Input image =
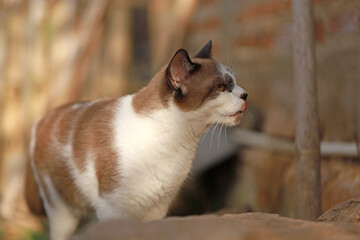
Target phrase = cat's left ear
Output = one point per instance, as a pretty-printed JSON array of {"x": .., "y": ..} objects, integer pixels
[
  {"x": 205, "y": 51},
  {"x": 179, "y": 69}
]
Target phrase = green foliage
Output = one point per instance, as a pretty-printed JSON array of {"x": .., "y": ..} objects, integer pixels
[
  {"x": 37, "y": 235},
  {"x": 2, "y": 235}
]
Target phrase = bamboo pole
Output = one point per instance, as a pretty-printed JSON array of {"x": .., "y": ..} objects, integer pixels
[
  {"x": 250, "y": 138},
  {"x": 168, "y": 27},
  {"x": 357, "y": 116},
  {"x": 3, "y": 54},
  {"x": 2, "y": 48},
  {"x": 89, "y": 23},
  {"x": 307, "y": 146}
]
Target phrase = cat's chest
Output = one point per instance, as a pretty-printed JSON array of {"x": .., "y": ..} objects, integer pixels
[{"x": 153, "y": 148}]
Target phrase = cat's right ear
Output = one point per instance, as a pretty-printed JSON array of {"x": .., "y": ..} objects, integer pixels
[
  {"x": 205, "y": 51},
  {"x": 179, "y": 69}
]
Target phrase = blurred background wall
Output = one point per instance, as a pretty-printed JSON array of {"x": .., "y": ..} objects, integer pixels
[{"x": 53, "y": 52}]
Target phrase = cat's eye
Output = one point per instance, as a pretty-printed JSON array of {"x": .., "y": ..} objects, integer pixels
[{"x": 220, "y": 87}]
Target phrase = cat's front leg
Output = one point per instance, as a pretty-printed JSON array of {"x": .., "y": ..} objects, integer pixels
[
  {"x": 62, "y": 222},
  {"x": 140, "y": 212},
  {"x": 110, "y": 212},
  {"x": 156, "y": 212}
]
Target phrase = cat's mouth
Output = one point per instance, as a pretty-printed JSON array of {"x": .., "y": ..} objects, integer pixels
[
  {"x": 235, "y": 115},
  {"x": 238, "y": 113}
]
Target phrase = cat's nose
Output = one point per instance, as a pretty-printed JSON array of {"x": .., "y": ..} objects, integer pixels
[{"x": 244, "y": 96}]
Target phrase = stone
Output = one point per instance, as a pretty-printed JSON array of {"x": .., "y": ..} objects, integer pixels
[
  {"x": 266, "y": 182},
  {"x": 340, "y": 181},
  {"x": 249, "y": 226},
  {"x": 345, "y": 212}
]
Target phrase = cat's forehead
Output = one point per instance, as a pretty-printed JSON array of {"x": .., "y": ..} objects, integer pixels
[
  {"x": 213, "y": 69},
  {"x": 225, "y": 71},
  {"x": 209, "y": 66}
]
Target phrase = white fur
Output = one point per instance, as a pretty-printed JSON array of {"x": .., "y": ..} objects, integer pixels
[
  {"x": 149, "y": 181},
  {"x": 63, "y": 221}
]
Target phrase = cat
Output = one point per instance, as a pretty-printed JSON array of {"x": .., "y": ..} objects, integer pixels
[{"x": 127, "y": 158}]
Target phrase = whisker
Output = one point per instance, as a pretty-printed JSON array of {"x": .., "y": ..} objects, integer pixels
[
  {"x": 222, "y": 125},
  {"x": 213, "y": 131},
  {"x": 225, "y": 135},
  {"x": 231, "y": 58},
  {"x": 212, "y": 134},
  {"x": 227, "y": 62},
  {"x": 207, "y": 131},
  {"x": 233, "y": 67}
]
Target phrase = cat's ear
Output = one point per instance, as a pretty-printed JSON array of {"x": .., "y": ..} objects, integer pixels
[
  {"x": 205, "y": 51},
  {"x": 179, "y": 69}
]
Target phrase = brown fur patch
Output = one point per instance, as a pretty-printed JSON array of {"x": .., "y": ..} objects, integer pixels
[
  {"x": 50, "y": 160},
  {"x": 32, "y": 195},
  {"x": 65, "y": 185},
  {"x": 94, "y": 134},
  {"x": 200, "y": 85},
  {"x": 41, "y": 157},
  {"x": 90, "y": 128},
  {"x": 154, "y": 96}
]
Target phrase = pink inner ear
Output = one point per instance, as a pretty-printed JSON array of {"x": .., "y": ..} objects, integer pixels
[
  {"x": 179, "y": 70},
  {"x": 180, "y": 67},
  {"x": 176, "y": 81},
  {"x": 178, "y": 75}
]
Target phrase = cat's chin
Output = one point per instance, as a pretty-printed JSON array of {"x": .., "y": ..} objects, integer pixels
[
  {"x": 237, "y": 120},
  {"x": 233, "y": 119}
]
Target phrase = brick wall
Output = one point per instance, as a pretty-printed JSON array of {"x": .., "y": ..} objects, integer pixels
[{"x": 254, "y": 37}]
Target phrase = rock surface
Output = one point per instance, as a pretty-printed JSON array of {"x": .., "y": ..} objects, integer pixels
[
  {"x": 266, "y": 182},
  {"x": 345, "y": 212},
  {"x": 249, "y": 226}
]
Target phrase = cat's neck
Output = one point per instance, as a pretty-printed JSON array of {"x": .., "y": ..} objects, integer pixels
[
  {"x": 155, "y": 101},
  {"x": 187, "y": 124},
  {"x": 154, "y": 96},
  {"x": 177, "y": 124}
]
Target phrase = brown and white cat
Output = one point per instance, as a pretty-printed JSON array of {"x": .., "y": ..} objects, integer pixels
[{"x": 126, "y": 158}]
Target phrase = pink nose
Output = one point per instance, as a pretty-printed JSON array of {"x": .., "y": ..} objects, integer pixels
[{"x": 244, "y": 106}]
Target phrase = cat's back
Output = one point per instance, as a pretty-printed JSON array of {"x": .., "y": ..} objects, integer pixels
[
  {"x": 62, "y": 127},
  {"x": 73, "y": 151}
]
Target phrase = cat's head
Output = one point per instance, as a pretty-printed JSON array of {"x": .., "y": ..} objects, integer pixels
[{"x": 204, "y": 88}]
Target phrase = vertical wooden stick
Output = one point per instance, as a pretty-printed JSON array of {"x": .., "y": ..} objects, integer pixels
[
  {"x": 168, "y": 27},
  {"x": 307, "y": 134},
  {"x": 357, "y": 124}
]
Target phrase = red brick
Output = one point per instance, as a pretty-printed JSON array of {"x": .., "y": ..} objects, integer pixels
[
  {"x": 319, "y": 32},
  {"x": 263, "y": 40},
  {"x": 265, "y": 8},
  {"x": 209, "y": 24},
  {"x": 204, "y": 2},
  {"x": 347, "y": 22}
]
